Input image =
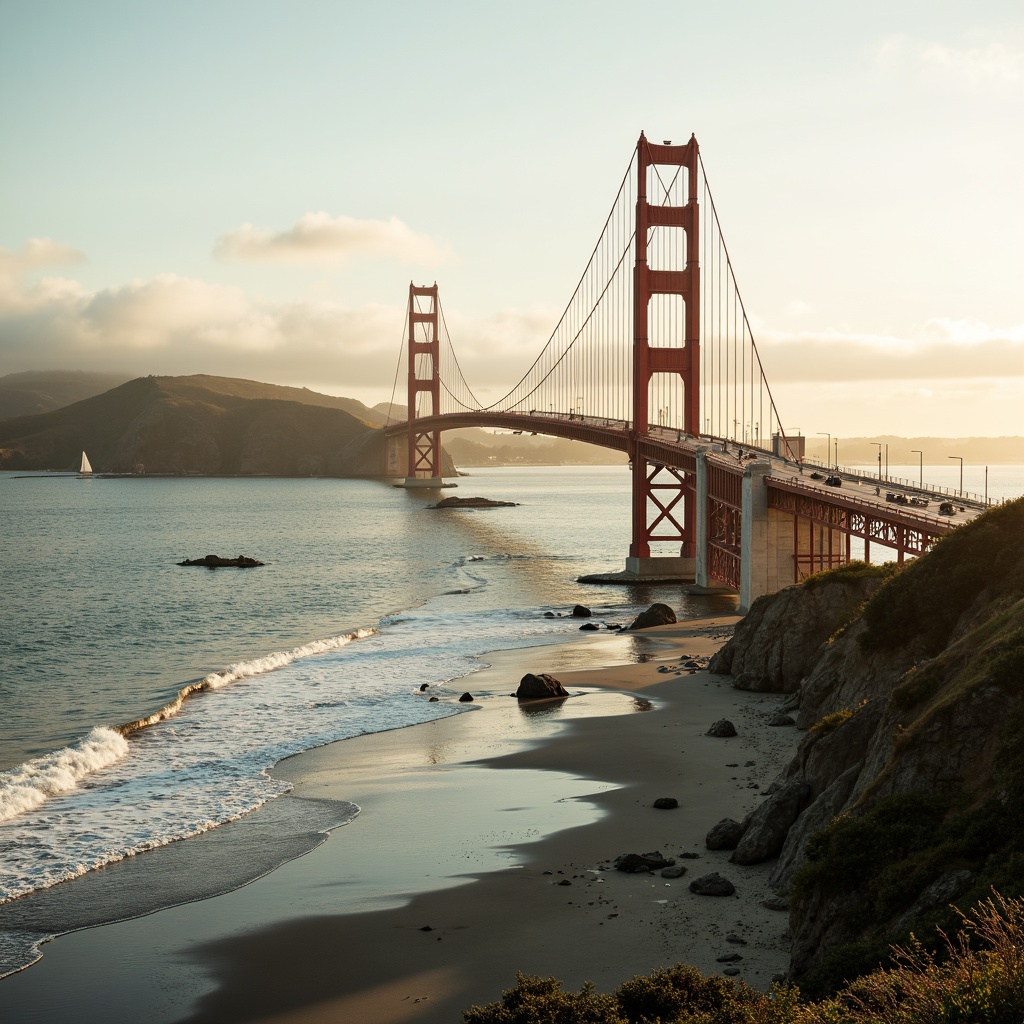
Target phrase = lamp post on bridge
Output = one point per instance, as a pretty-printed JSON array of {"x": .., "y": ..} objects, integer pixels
[
  {"x": 920, "y": 468},
  {"x": 879, "y": 446},
  {"x": 960, "y": 492},
  {"x": 828, "y": 444}
]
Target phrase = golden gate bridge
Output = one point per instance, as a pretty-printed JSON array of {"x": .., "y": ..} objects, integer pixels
[{"x": 654, "y": 356}]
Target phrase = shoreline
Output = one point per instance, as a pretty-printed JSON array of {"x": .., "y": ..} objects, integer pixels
[{"x": 337, "y": 933}]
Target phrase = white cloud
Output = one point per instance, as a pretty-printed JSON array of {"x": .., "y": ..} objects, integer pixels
[
  {"x": 940, "y": 349},
  {"x": 992, "y": 66},
  {"x": 318, "y": 239}
]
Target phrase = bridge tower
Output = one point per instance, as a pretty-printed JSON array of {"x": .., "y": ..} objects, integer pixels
[
  {"x": 424, "y": 458},
  {"x": 664, "y": 499}
]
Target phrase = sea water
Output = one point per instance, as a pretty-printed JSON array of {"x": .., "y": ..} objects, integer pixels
[{"x": 142, "y": 702}]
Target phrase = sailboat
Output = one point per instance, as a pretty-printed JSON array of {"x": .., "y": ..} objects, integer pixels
[{"x": 86, "y": 468}]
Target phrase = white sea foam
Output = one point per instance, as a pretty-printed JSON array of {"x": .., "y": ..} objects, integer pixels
[
  {"x": 30, "y": 784},
  {"x": 279, "y": 659}
]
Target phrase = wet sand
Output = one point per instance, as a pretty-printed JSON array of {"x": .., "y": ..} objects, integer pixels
[{"x": 452, "y": 877}]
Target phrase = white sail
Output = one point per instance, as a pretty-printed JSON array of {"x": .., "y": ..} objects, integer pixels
[{"x": 86, "y": 468}]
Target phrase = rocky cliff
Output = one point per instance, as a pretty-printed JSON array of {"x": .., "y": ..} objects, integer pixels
[{"x": 907, "y": 791}]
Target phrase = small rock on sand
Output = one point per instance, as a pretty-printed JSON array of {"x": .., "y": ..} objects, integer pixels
[
  {"x": 666, "y": 803},
  {"x": 723, "y": 727}
]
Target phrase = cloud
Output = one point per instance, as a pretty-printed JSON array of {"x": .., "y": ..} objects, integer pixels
[
  {"x": 318, "y": 239},
  {"x": 992, "y": 66},
  {"x": 941, "y": 349}
]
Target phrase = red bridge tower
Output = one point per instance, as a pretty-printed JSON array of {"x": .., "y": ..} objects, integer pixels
[{"x": 664, "y": 506}]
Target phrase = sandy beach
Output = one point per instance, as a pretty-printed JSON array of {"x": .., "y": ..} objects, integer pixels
[{"x": 485, "y": 846}]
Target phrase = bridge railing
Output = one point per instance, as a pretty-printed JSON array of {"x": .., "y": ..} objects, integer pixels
[{"x": 968, "y": 497}]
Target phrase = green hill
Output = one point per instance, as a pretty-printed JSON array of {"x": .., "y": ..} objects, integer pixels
[{"x": 198, "y": 424}]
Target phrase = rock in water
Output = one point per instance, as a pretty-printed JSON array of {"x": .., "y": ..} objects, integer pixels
[
  {"x": 580, "y": 611},
  {"x": 466, "y": 698},
  {"x": 656, "y": 615},
  {"x": 454, "y": 502},
  {"x": 538, "y": 687},
  {"x": 216, "y": 562},
  {"x": 712, "y": 885}
]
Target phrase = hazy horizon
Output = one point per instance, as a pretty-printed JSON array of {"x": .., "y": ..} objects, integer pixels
[{"x": 246, "y": 190}]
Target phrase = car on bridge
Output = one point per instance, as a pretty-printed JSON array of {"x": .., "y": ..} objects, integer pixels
[{"x": 834, "y": 480}]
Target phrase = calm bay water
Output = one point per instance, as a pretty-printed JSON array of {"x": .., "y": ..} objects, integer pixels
[{"x": 366, "y": 595}]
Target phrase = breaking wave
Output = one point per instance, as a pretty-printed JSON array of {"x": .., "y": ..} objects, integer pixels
[{"x": 30, "y": 784}]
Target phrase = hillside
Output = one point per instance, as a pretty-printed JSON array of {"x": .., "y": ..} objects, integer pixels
[
  {"x": 907, "y": 792},
  {"x": 36, "y": 391},
  {"x": 199, "y": 424}
]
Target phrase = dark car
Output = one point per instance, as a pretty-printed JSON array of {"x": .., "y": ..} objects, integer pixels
[{"x": 833, "y": 481}]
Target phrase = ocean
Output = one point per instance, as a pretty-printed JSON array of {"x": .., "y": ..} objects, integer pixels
[{"x": 142, "y": 702}]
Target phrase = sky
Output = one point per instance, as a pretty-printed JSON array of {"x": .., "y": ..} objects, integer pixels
[{"x": 246, "y": 188}]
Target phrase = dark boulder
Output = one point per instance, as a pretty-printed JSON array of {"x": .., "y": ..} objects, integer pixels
[
  {"x": 466, "y": 698},
  {"x": 725, "y": 835},
  {"x": 634, "y": 863},
  {"x": 723, "y": 727},
  {"x": 767, "y": 827},
  {"x": 590, "y": 626},
  {"x": 657, "y": 615},
  {"x": 676, "y": 871},
  {"x": 666, "y": 803},
  {"x": 539, "y": 687},
  {"x": 712, "y": 885},
  {"x": 580, "y": 611}
]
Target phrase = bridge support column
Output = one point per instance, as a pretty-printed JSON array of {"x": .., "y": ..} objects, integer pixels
[
  {"x": 704, "y": 582},
  {"x": 754, "y": 535}
]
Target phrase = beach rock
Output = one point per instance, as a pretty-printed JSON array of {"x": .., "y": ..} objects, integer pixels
[
  {"x": 666, "y": 803},
  {"x": 216, "y": 562},
  {"x": 634, "y": 863},
  {"x": 768, "y": 825},
  {"x": 549, "y": 615},
  {"x": 780, "y": 719},
  {"x": 466, "y": 698},
  {"x": 590, "y": 625},
  {"x": 723, "y": 727},
  {"x": 657, "y": 615},
  {"x": 731, "y": 972},
  {"x": 424, "y": 686},
  {"x": 434, "y": 700},
  {"x": 736, "y": 940},
  {"x": 564, "y": 881},
  {"x": 725, "y": 835},
  {"x": 676, "y": 871},
  {"x": 775, "y": 903},
  {"x": 580, "y": 611},
  {"x": 540, "y": 687},
  {"x": 689, "y": 855},
  {"x": 728, "y": 958},
  {"x": 713, "y": 884}
]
